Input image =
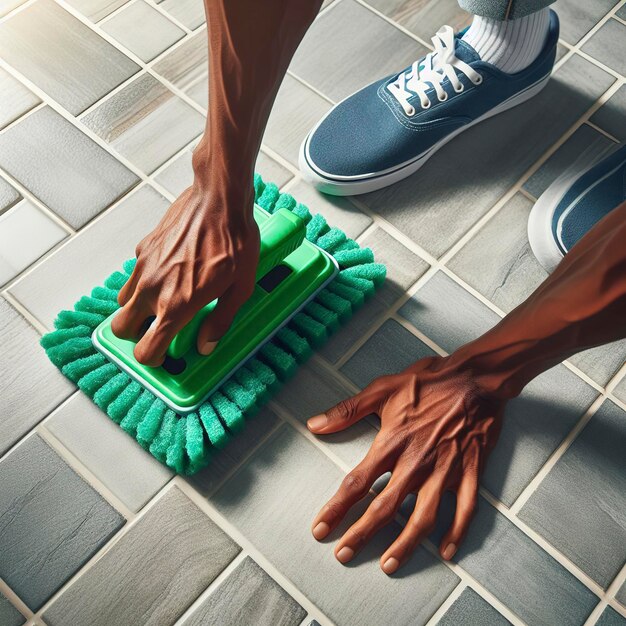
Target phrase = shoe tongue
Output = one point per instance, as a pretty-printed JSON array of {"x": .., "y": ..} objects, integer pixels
[{"x": 465, "y": 52}]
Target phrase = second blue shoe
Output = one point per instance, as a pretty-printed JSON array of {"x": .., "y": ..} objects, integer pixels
[{"x": 388, "y": 130}]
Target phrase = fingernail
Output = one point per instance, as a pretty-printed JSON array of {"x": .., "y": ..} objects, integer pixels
[
  {"x": 208, "y": 347},
  {"x": 345, "y": 554},
  {"x": 391, "y": 565},
  {"x": 317, "y": 422},
  {"x": 321, "y": 530},
  {"x": 450, "y": 551}
]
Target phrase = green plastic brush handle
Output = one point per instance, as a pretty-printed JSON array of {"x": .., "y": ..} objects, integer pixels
[{"x": 281, "y": 234}]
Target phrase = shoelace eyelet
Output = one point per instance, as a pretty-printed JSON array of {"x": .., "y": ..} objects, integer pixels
[
  {"x": 460, "y": 89},
  {"x": 426, "y": 106},
  {"x": 410, "y": 112},
  {"x": 478, "y": 80},
  {"x": 443, "y": 99}
]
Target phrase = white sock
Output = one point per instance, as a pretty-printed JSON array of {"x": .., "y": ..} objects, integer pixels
[{"x": 510, "y": 45}]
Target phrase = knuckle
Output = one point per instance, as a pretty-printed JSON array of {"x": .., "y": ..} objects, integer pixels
[
  {"x": 358, "y": 536},
  {"x": 383, "y": 508},
  {"x": 342, "y": 411},
  {"x": 355, "y": 482}
]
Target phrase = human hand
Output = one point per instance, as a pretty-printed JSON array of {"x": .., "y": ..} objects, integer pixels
[
  {"x": 437, "y": 428},
  {"x": 206, "y": 246}
]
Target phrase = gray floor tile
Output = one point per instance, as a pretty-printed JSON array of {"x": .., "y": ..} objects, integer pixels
[
  {"x": 199, "y": 93},
  {"x": 58, "y": 53},
  {"x": 187, "y": 63},
  {"x": 436, "y": 205},
  {"x": 314, "y": 390},
  {"x": 498, "y": 261},
  {"x": 610, "y": 116},
  {"x": 338, "y": 211},
  {"x": 516, "y": 570},
  {"x": 248, "y": 596},
  {"x": 447, "y": 313},
  {"x": 16, "y": 99},
  {"x": 187, "y": 12},
  {"x": 52, "y": 521},
  {"x": 9, "y": 5},
  {"x": 608, "y": 45},
  {"x": 584, "y": 146},
  {"x": 257, "y": 428},
  {"x": 9, "y": 615},
  {"x": 424, "y": 18},
  {"x": 621, "y": 12},
  {"x": 610, "y": 617},
  {"x": 143, "y": 30},
  {"x": 578, "y": 17},
  {"x": 154, "y": 572},
  {"x": 388, "y": 351},
  {"x": 368, "y": 46},
  {"x": 580, "y": 507},
  {"x": 178, "y": 175},
  {"x": 32, "y": 386},
  {"x": 146, "y": 123},
  {"x": 271, "y": 171},
  {"x": 279, "y": 520},
  {"x": 8, "y": 195},
  {"x": 60, "y": 165},
  {"x": 96, "y": 10},
  {"x": 132, "y": 474},
  {"x": 296, "y": 110},
  {"x": 601, "y": 363},
  {"x": 89, "y": 258},
  {"x": 620, "y": 390},
  {"x": 403, "y": 266},
  {"x": 26, "y": 233},
  {"x": 469, "y": 609},
  {"x": 620, "y": 596}
]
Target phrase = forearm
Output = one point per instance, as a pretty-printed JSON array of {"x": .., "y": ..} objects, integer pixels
[
  {"x": 581, "y": 305},
  {"x": 250, "y": 46}
]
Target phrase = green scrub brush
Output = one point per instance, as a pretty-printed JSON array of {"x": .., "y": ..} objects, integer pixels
[{"x": 185, "y": 438}]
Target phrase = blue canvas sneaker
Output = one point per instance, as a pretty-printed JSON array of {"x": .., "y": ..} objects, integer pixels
[
  {"x": 574, "y": 203},
  {"x": 389, "y": 129}
]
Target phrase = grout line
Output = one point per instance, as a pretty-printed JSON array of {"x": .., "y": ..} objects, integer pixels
[
  {"x": 171, "y": 18},
  {"x": 609, "y": 600},
  {"x": 602, "y": 131},
  {"x": 113, "y": 13},
  {"x": 310, "y": 86},
  {"x": 16, "y": 10},
  {"x": 447, "y": 603},
  {"x": 15, "y": 600},
  {"x": 23, "y": 311}
]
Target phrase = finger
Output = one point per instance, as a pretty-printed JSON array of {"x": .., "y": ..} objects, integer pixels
[
  {"x": 152, "y": 347},
  {"x": 348, "y": 411},
  {"x": 220, "y": 319},
  {"x": 420, "y": 524},
  {"x": 354, "y": 487},
  {"x": 466, "y": 501},
  {"x": 380, "y": 512},
  {"x": 130, "y": 319},
  {"x": 129, "y": 288}
]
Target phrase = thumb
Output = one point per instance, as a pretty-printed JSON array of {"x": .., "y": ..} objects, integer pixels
[{"x": 347, "y": 412}]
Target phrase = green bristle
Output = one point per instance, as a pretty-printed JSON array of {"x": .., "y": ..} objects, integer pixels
[
  {"x": 253, "y": 384},
  {"x": 375, "y": 272},
  {"x": 214, "y": 428},
  {"x": 294, "y": 343},
  {"x": 149, "y": 425},
  {"x": 355, "y": 296},
  {"x": 102, "y": 293},
  {"x": 269, "y": 197},
  {"x": 314, "y": 332},
  {"x": 265, "y": 374},
  {"x": 283, "y": 364},
  {"x": 303, "y": 212},
  {"x": 285, "y": 201},
  {"x": 341, "y": 306},
  {"x": 228, "y": 411},
  {"x": 129, "y": 265},
  {"x": 88, "y": 304},
  {"x": 137, "y": 412},
  {"x": 194, "y": 440},
  {"x": 77, "y": 369},
  {"x": 68, "y": 319},
  {"x": 71, "y": 350},
  {"x": 59, "y": 337},
  {"x": 164, "y": 436},
  {"x": 259, "y": 186},
  {"x": 176, "y": 457},
  {"x": 316, "y": 228},
  {"x": 238, "y": 394},
  {"x": 91, "y": 382},
  {"x": 329, "y": 319},
  {"x": 332, "y": 240},
  {"x": 119, "y": 408},
  {"x": 348, "y": 244},
  {"x": 111, "y": 390},
  {"x": 366, "y": 286},
  {"x": 116, "y": 281},
  {"x": 356, "y": 256}
]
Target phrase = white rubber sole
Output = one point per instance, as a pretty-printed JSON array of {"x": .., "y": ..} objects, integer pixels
[
  {"x": 540, "y": 236},
  {"x": 354, "y": 185}
]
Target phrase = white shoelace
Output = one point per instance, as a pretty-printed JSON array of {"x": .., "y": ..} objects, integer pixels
[{"x": 436, "y": 67}]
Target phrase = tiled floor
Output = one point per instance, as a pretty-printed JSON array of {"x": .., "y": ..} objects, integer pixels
[{"x": 101, "y": 103}]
